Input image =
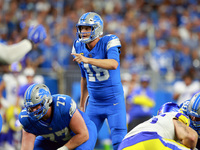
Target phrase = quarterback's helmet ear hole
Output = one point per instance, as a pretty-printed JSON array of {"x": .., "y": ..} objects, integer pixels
[
  {"x": 29, "y": 109},
  {"x": 92, "y": 36},
  {"x": 92, "y": 28}
]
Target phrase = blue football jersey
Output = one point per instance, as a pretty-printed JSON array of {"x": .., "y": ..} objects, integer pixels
[
  {"x": 103, "y": 85},
  {"x": 57, "y": 130}
]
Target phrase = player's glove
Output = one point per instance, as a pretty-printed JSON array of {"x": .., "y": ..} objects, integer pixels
[{"x": 37, "y": 34}]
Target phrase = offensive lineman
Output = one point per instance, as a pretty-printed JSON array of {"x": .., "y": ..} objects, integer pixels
[{"x": 52, "y": 121}]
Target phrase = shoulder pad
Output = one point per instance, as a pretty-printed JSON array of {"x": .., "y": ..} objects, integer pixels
[
  {"x": 112, "y": 41},
  {"x": 24, "y": 118},
  {"x": 110, "y": 36},
  {"x": 72, "y": 108},
  {"x": 183, "y": 118},
  {"x": 76, "y": 44},
  {"x": 184, "y": 105}
]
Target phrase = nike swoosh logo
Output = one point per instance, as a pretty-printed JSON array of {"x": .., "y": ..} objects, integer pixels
[{"x": 115, "y": 104}]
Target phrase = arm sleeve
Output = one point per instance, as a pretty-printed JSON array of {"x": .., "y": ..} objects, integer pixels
[
  {"x": 82, "y": 71},
  {"x": 74, "y": 51},
  {"x": 113, "y": 47},
  {"x": 74, "y": 48},
  {"x": 12, "y": 53},
  {"x": 69, "y": 109},
  {"x": 113, "y": 53}
]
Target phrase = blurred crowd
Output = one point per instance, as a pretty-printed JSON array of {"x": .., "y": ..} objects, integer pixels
[{"x": 160, "y": 36}]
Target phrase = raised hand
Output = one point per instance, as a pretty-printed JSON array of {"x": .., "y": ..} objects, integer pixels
[{"x": 37, "y": 34}]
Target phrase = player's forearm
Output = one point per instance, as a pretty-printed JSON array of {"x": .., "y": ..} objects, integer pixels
[
  {"x": 84, "y": 93},
  {"x": 2, "y": 87},
  {"x": 109, "y": 64},
  {"x": 12, "y": 53},
  {"x": 28, "y": 140},
  {"x": 176, "y": 96},
  {"x": 26, "y": 147},
  {"x": 76, "y": 141},
  {"x": 191, "y": 139},
  {"x": 189, "y": 143},
  {"x": 18, "y": 101},
  {"x": 185, "y": 134}
]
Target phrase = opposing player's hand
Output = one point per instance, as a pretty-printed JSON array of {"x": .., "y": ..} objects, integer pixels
[
  {"x": 37, "y": 34},
  {"x": 79, "y": 58}
]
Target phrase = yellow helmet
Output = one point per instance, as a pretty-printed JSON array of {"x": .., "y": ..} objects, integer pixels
[{"x": 12, "y": 114}]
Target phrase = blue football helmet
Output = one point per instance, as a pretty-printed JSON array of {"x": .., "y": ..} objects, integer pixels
[
  {"x": 193, "y": 108},
  {"x": 168, "y": 107},
  {"x": 94, "y": 21},
  {"x": 37, "y": 94}
]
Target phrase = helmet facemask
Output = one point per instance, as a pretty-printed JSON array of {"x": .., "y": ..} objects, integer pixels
[{"x": 90, "y": 35}]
